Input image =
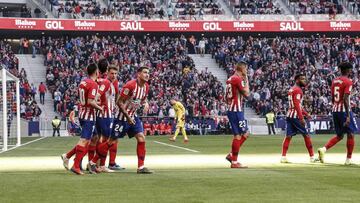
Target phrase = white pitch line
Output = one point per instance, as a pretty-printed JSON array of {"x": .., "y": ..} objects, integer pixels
[
  {"x": 24, "y": 144},
  {"x": 170, "y": 145}
]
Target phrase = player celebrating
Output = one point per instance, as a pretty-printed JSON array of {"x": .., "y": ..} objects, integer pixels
[
  {"x": 295, "y": 121},
  {"x": 132, "y": 97},
  {"x": 343, "y": 118},
  {"x": 180, "y": 120},
  {"x": 104, "y": 121},
  {"x": 87, "y": 94},
  {"x": 236, "y": 90}
]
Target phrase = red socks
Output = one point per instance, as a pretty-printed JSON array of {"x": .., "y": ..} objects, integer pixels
[
  {"x": 91, "y": 152},
  {"x": 141, "y": 151},
  {"x": 308, "y": 145},
  {"x": 350, "y": 146},
  {"x": 112, "y": 153},
  {"x": 101, "y": 153},
  {"x": 285, "y": 146},
  {"x": 235, "y": 147},
  {"x": 80, "y": 153},
  {"x": 332, "y": 142},
  {"x": 71, "y": 153}
]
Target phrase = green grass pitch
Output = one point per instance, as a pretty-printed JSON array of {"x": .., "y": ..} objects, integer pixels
[{"x": 191, "y": 173}]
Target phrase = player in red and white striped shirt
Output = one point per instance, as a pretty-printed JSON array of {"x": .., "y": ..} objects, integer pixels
[
  {"x": 237, "y": 90},
  {"x": 344, "y": 121},
  {"x": 88, "y": 106},
  {"x": 104, "y": 122},
  {"x": 295, "y": 122},
  {"x": 133, "y": 95}
]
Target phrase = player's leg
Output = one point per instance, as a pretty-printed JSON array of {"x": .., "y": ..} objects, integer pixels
[
  {"x": 339, "y": 121},
  {"x": 309, "y": 147},
  {"x": 290, "y": 131},
  {"x": 119, "y": 131},
  {"x": 82, "y": 146},
  {"x": 239, "y": 129},
  {"x": 173, "y": 138},
  {"x": 183, "y": 131},
  {"x": 138, "y": 132},
  {"x": 350, "y": 143},
  {"x": 307, "y": 139}
]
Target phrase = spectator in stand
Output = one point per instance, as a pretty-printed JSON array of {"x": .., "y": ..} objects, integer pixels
[{"x": 42, "y": 91}]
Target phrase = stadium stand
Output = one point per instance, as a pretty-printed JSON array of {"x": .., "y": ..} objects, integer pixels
[
  {"x": 273, "y": 61},
  {"x": 172, "y": 71},
  {"x": 28, "y": 106}
]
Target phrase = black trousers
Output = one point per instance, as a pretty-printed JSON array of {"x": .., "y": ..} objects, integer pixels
[
  {"x": 56, "y": 130},
  {"x": 271, "y": 127}
]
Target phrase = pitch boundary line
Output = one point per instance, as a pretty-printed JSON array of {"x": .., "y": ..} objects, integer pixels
[
  {"x": 41, "y": 138},
  {"x": 174, "y": 146}
]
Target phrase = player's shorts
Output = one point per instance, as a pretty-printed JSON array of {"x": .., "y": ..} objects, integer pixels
[
  {"x": 293, "y": 127},
  {"x": 180, "y": 121},
  {"x": 237, "y": 122},
  {"x": 339, "y": 121},
  {"x": 104, "y": 126},
  {"x": 87, "y": 129},
  {"x": 122, "y": 128}
]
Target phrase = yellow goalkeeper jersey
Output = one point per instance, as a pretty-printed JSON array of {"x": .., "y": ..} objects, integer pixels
[{"x": 179, "y": 109}]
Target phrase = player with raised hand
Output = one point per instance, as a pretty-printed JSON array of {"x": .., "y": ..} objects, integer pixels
[
  {"x": 104, "y": 121},
  {"x": 344, "y": 121},
  {"x": 237, "y": 90},
  {"x": 133, "y": 95},
  {"x": 180, "y": 120},
  {"x": 87, "y": 93},
  {"x": 295, "y": 121}
]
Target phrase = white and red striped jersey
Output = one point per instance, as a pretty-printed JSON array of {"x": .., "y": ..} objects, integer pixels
[
  {"x": 295, "y": 96},
  {"x": 234, "y": 99},
  {"x": 106, "y": 94},
  {"x": 134, "y": 96},
  {"x": 339, "y": 87},
  {"x": 87, "y": 90}
]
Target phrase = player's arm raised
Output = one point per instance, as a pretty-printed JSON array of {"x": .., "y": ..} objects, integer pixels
[{"x": 244, "y": 87}]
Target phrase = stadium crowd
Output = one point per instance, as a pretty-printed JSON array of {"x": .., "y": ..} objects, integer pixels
[
  {"x": 273, "y": 62},
  {"x": 331, "y": 7},
  {"x": 172, "y": 72},
  {"x": 28, "y": 106},
  {"x": 256, "y": 7}
]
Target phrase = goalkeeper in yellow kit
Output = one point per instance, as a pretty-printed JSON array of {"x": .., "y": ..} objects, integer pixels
[{"x": 180, "y": 120}]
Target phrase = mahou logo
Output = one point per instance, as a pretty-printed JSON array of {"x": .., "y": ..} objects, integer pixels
[
  {"x": 84, "y": 25},
  {"x": 25, "y": 23},
  {"x": 179, "y": 25},
  {"x": 243, "y": 26},
  {"x": 340, "y": 25}
]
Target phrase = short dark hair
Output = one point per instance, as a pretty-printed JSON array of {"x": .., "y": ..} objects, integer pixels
[
  {"x": 142, "y": 68},
  {"x": 297, "y": 76},
  {"x": 103, "y": 65},
  {"x": 343, "y": 66},
  {"x": 91, "y": 69}
]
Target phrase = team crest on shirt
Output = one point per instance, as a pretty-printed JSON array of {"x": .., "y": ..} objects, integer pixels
[{"x": 126, "y": 91}]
